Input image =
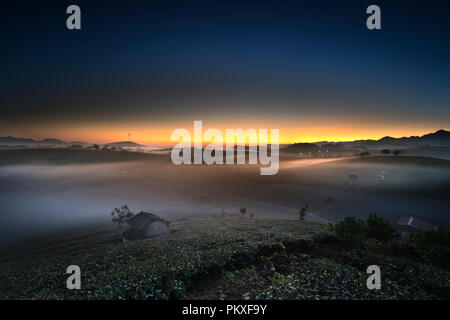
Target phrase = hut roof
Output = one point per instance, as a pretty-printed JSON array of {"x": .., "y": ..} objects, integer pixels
[
  {"x": 415, "y": 223},
  {"x": 143, "y": 219},
  {"x": 139, "y": 225}
]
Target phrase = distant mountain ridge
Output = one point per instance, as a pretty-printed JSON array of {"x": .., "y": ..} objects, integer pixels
[
  {"x": 437, "y": 139},
  {"x": 9, "y": 140},
  {"x": 15, "y": 141}
]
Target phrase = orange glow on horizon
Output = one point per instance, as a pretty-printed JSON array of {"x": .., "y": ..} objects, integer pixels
[{"x": 159, "y": 134}]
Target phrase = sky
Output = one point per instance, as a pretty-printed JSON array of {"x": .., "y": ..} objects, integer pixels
[{"x": 309, "y": 68}]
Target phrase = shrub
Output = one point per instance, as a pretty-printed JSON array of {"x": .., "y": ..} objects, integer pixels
[
  {"x": 379, "y": 229},
  {"x": 121, "y": 215},
  {"x": 350, "y": 230},
  {"x": 430, "y": 237},
  {"x": 355, "y": 231},
  {"x": 432, "y": 246}
]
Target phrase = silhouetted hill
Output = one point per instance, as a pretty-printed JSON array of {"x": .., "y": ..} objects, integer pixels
[
  {"x": 51, "y": 141},
  {"x": 81, "y": 143},
  {"x": 123, "y": 144},
  {"x": 12, "y": 140},
  {"x": 26, "y": 141},
  {"x": 324, "y": 149},
  {"x": 438, "y": 138},
  {"x": 303, "y": 147}
]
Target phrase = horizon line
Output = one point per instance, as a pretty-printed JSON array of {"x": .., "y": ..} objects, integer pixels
[{"x": 68, "y": 141}]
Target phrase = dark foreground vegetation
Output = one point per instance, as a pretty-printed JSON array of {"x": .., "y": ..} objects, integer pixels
[{"x": 240, "y": 258}]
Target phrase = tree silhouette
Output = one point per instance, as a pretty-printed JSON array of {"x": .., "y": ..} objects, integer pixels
[
  {"x": 121, "y": 215},
  {"x": 303, "y": 212}
]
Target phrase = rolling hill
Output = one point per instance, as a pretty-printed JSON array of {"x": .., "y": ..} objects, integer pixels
[
  {"x": 123, "y": 144},
  {"x": 439, "y": 138}
]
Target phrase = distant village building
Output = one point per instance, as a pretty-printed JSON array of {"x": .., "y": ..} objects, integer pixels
[
  {"x": 145, "y": 225},
  {"x": 408, "y": 225}
]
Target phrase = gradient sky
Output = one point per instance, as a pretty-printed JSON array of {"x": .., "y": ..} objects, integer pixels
[{"x": 310, "y": 68}]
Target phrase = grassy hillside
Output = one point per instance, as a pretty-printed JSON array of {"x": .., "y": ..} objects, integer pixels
[{"x": 219, "y": 258}]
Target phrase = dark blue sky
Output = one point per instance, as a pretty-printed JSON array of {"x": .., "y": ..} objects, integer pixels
[{"x": 170, "y": 60}]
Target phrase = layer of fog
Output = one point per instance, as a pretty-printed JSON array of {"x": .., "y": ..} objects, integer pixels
[{"x": 39, "y": 199}]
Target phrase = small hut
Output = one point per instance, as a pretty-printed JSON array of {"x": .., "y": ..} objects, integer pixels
[
  {"x": 408, "y": 225},
  {"x": 145, "y": 225}
]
